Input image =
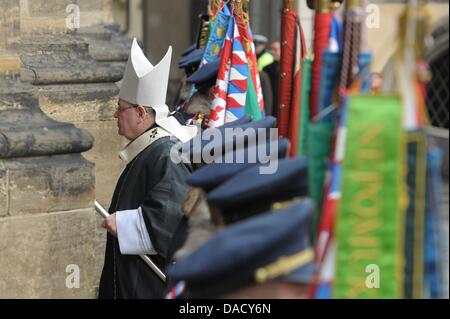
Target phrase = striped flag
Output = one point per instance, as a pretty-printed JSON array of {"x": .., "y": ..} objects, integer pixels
[
  {"x": 238, "y": 81},
  {"x": 218, "y": 105},
  {"x": 250, "y": 51},
  {"x": 238, "y": 88}
]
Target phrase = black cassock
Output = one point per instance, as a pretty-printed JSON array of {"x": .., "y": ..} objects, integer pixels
[{"x": 155, "y": 183}]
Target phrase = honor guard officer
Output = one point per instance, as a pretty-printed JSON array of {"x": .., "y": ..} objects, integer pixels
[
  {"x": 203, "y": 80},
  {"x": 266, "y": 256},
  {"x": 212, "y": 143},
  {"x": 202, "y": 222},
  {"x": 253, "y": 192},
  {"x": 189, "y": 62},
  {"x": 196, "y": 212}
]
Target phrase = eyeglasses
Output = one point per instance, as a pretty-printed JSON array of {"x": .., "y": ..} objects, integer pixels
[{"x": 120, "y": 109}]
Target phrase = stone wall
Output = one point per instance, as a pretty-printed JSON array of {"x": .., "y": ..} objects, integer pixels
[
  {"x": 47, "y": 224},
  {"x": 57, "y": 98},
  {"x": 46, "y": 193},
  {"x": 9, "y": 37}
]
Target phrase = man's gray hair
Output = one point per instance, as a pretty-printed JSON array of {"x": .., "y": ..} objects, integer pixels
[{"x": 150, "y": 110}]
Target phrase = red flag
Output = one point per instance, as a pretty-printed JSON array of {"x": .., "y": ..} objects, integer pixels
[
  {"x": 288, "y": 25},
  {"x": 300, "y": 53},
  {"x": 322, "y": 28},
  {"x": 292, "y": 52}
]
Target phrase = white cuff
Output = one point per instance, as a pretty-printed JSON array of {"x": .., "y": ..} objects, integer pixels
[{"x": 132, "y": 233}]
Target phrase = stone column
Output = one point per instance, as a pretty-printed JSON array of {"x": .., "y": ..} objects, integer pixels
[
  {"x": 46, "y": 191},
  {"x": 51, "y": 75},
  {"x": 167, "y": 23}
]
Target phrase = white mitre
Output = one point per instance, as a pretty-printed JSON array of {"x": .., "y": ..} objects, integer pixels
[{"x": 146, "y": 85}]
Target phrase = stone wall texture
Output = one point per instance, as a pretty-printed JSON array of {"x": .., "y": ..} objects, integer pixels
[
  {"x": 44, "y": 227},
  {"x": 52, "y": 80}
]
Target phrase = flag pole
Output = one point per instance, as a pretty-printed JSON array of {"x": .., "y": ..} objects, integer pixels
[
  {"x": 286, "y": 66},
  {"x": 353, "y": 19},
  {"x": 349, "y": 72},
  {"x": 322, "y": 28}
]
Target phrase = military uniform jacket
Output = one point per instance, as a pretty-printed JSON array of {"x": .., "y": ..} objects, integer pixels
[{"x": 153, "y": 182}]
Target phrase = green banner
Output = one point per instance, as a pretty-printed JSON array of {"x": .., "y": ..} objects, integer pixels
[
  {"x": 369, "y": 229},
  {"x": 304, "y": 114},
  {"x": 320, "y": 139},
  {"x": 251, "y": 101}
]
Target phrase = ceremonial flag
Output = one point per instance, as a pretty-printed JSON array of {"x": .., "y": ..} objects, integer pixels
[
  {"x": 218, "y": 31},
  {"x": 320, "y": 136},
  {"x": 238, "y": 80},
  {"x": 300, "y": 53},
  {"x": 304, "y": 115},
  {"x": 216, "y": 37},
  {"x": 288, "y": 43},
  {"x": 254, "y": 107},
  {"x": 325, "y": 246},
  {"x": 322, "y": 127},
  {"x": 218, "y": 105},
  {"x": 215, "y": 6},
  {"x": 369, "y": 227},
  {"x": 238, "y": 88},
  {"x": 293, "y": 51},
  {"x": 329, "y": 75}
]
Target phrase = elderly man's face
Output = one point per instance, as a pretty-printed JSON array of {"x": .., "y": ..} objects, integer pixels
[{"x": 128, "y": 119}]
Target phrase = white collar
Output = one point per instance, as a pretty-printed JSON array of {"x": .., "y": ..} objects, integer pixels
[{"x": 135, "y": 147}]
